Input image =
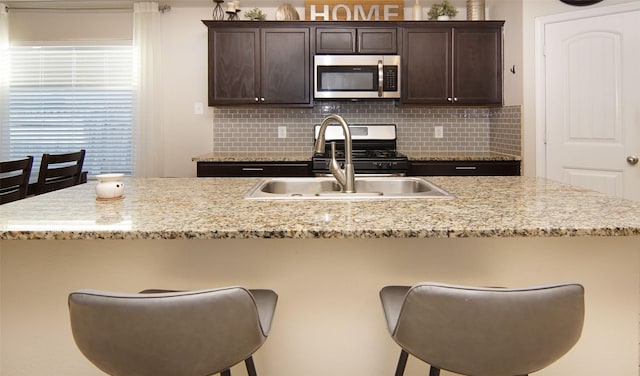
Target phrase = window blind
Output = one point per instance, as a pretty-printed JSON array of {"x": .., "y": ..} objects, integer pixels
[{"x": 67, "y": 98}]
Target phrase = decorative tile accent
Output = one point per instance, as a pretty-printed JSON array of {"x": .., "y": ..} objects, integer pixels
[{"x": 466, "y": 129}]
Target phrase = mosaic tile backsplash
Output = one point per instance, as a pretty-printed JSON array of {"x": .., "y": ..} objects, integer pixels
[{"x": 466, "y": 129}]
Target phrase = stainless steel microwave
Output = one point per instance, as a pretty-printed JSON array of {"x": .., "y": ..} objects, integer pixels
[{"x": 356, "y": 76}]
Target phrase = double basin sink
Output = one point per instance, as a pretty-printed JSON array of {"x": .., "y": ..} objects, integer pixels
[{"x": 326, "y": 188}]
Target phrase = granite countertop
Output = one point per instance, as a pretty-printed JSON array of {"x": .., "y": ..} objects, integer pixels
[
  {"x": 212, "y": 208},
  {"x": 445, "y": 156},
  {"x": 253, "y": 157},
  {"x": 297, "y": 157}
]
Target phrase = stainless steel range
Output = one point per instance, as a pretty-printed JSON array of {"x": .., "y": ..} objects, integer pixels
[{"x": 374, "y": 150}]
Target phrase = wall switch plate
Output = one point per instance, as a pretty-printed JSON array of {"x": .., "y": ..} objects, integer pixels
[
  {"x": 438, "y": 131},
  {"x": 198, "y": 108},
  {"x": 282, "y": 131}
]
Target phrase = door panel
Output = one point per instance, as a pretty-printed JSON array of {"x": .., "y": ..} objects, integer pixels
[
  {"x": 593, "y": 102},
  {"x": 426, "y": 60},
  {"x": 286, "y": 66},
  {"x": 609, "y": 182},
  {"x": 234, "y": 68}
]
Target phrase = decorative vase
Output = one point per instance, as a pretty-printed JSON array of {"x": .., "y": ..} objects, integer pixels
[
  {"x": 110, "y": 186},
  {"x": 475, "y": 10},
  {"x": 417, "y": 11},
  {"x": 443, "y": 18}
]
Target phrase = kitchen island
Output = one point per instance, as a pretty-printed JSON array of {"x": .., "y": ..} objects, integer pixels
[{"x": 326, "y": 259}]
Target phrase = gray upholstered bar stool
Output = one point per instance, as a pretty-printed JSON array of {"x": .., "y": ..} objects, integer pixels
[
  {"x": 171, "y": 333},
  {"x": 483, "y": 331}
]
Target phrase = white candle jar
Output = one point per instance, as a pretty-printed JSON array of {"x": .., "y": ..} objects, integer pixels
[{"x": 110, "y": 186}]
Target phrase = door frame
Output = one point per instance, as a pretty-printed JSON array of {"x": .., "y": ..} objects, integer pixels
[{"x": 540, "y": 71}]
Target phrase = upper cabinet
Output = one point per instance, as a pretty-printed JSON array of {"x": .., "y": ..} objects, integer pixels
[
  {"x": 356, "y": 40},
  {"x": 258, "y": 64},
  {"x": 452, "y": 63},
  {"x": 442, "y": 63}
]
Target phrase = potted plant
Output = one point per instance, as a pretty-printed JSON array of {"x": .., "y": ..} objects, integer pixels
[
  {"x": 442, "y": 11},
  {"x": 255, "y": 14}
]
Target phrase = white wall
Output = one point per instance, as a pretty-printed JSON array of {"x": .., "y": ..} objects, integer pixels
[{"x": 184, "y": 83}]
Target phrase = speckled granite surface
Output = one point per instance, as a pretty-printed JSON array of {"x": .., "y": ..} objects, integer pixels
[
  {"x": 210, "y": 208},
  {"x": 434, "y": 156},
  {"x": 252, "y": 157},
  {"x": 412, "y": 155}
]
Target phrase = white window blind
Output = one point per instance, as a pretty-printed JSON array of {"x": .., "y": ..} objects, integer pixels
[{"x": 64, "y": 99}]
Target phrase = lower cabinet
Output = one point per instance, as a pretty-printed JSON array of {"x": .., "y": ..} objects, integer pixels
[
  {"x": 464, "y": 168},
  {"x": 253, "y": 169}
]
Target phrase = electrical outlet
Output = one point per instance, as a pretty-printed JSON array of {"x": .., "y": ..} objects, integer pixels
[
  {"x": 282, "y": 131},
  {"x": 198, "y": 108},
  {"x": 438, "y": 131}
]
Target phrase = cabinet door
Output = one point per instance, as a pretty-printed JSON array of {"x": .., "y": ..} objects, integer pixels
[
  {"x": 335, "y": 40},
  {"x": 477, "y": 73},
  {"x": 234, "y": 66},
  {"x": 377, "y": 40},
  {"x": 370, "y": 40},
  {"x": 426, "y": 65},
  {"x": 286, "y": 67}
]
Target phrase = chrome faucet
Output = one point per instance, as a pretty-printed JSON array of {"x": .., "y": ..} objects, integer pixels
[{"x": 346, "y": 178}]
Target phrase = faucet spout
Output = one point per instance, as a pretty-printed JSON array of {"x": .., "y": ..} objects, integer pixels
[{"x": 346, "y": 178}]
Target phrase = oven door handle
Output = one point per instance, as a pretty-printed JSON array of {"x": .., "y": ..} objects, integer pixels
[{"x": 380, "y": 78}]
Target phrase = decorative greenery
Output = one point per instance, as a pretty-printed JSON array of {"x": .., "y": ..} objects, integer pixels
[
  {"x": 255, "y": 14},
  {"x": 444, "y": 8}
]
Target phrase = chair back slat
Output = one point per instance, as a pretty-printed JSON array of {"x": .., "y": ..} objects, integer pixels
[
  {"x": 58, "y": 171},
  {"x": 14, "y": 179}
]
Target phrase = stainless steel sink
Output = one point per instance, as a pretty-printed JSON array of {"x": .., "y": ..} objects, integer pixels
[{"x": 326, "y": 188}]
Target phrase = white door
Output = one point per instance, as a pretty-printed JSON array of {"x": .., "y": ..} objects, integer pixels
[{"x": 592, "y": 91}]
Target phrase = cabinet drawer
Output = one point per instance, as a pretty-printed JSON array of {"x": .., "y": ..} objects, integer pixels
[
  {"x": 464, "y": 168},
  {"x": 253, "y": 169}
]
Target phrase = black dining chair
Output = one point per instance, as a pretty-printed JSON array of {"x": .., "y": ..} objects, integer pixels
[
  {"x": 479, "y": 331},
  {"x": 156, "y": 333},
  {"x": 14, "y": 179},
  {"x": 58, "y": 171}
]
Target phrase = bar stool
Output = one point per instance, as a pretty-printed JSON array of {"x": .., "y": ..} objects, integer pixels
[
  {"x": 186, "y": 333},
  {"x": 479, "y": 331}
]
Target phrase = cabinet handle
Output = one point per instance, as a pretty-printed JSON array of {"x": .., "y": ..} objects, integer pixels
[
  {"x": 257, "y": 100},
  {"x": 466, "y": 168},
  {"x": 380, "y": 78},
  {"x": 455, "y": 99},
  {"x": 252, "y": 169},
  {"x": 449, "y": 99},
  {"x": 261, "y": 99}
]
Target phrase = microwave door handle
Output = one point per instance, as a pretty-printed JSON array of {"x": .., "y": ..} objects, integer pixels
[{"x": 380, "y": 78}]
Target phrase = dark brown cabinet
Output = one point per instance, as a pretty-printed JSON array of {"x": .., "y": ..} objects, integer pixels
[
  {"x": 253, "y": 169},
  {"x": 259, "y": 65},
  {"x": 361, "y": 40},
  {"x": 464, "y": 168},
  {"x": 458, "y": 64}
]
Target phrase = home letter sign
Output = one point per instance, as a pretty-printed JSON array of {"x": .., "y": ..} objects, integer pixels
[{"x": 354, "y": 10}]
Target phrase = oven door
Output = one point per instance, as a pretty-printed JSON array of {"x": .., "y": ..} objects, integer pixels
[{"x": 356, "y": 76}]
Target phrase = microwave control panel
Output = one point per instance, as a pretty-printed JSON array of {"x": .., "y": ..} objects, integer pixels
[{"x": 390, "y": 78}]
